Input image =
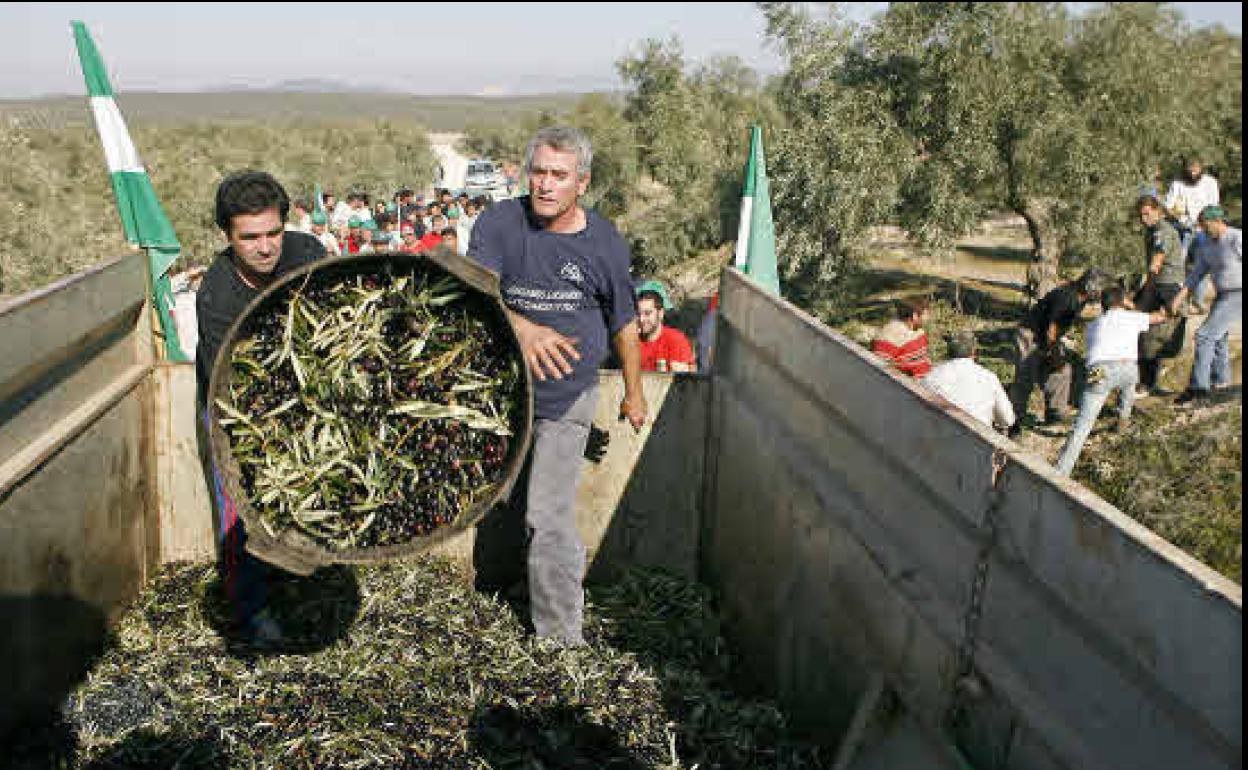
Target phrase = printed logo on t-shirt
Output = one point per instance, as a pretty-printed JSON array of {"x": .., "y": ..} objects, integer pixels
[
  {"x": 539, "y": 300},
  {"x": 571, "y": 272}
]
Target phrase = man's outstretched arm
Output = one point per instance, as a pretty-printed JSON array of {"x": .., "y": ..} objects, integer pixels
[{"x": 628, "y": 348}]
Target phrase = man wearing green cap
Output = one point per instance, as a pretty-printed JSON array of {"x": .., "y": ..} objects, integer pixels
[
  {"x": 663, "y": 348},
  {"x": 354, "y": 236},
  {"x": 1219, "y": 255},
  {"x": 320, "y": 229}
]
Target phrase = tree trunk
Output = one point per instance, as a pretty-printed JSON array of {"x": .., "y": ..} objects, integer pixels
[{"x": 1046, "y": 249}]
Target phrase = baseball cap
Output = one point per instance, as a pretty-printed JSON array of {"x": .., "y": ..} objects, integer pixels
[
  {"x": 353, "y": 222},
  {"x": 319, "y": 219},
  {"x": 1214, "y": 213},
  {"x": 657, "y": 288}
]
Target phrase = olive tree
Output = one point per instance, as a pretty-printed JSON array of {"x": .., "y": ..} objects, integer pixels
[
  {"x": 691, "y": 124},
  {"x": 615, "y": 167},
  {"x": 838, "y": 163},
  {"x": 956, "y": 110}
]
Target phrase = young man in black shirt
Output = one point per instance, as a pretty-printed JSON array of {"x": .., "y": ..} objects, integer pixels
[
  {"x": 251, "y": 210},
  {"x": 1040, "y": 357}
]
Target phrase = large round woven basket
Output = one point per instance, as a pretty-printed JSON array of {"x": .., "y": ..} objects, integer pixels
[{"x": 293, "y": 550}]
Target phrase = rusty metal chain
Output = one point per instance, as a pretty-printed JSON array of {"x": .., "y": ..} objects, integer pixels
[{"x": 964, "y": 682}]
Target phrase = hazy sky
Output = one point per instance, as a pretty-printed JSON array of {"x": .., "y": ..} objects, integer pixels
[{"x": 429, "y": 48}]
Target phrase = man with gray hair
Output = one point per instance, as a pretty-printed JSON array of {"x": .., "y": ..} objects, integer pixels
[
  {"x": 563, "y": 275},
  {"x": 969, "y": 386}
]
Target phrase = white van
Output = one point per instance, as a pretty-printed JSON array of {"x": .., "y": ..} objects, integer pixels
[{"x": 484, "y": 177}]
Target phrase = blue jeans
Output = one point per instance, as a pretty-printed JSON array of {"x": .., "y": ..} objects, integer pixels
[
  {"x": 1213, "y": 359},
  {"x": 243, "y": 575},
  {"x": 1103, "y": 379}
]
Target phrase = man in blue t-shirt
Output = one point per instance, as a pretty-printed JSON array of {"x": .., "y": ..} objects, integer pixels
[{"x": 563, "y": 275}]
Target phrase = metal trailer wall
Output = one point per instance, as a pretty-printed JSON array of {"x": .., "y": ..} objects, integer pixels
[
  {"x": 844, "y": 518},
  {"x": 77, "y": 531}
]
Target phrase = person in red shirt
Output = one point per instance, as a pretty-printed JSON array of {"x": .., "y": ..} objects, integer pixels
[
  {"x": 354, "y": 238},
  {"x": 411, "y": 244},
  {"x": 434, "y": 236},
  {"x": 902, "y": 342},
  {"x": 663, "y": 349}
]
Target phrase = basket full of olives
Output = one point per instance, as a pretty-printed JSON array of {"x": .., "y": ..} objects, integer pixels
[{"x": 365, "y": 408}]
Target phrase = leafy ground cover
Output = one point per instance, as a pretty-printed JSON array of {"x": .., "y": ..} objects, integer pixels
[{"x": 404, "y": 665}]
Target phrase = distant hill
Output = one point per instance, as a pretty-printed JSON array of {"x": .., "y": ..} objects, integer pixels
[
  {"x": 296, "y": 101},
  {"x": 317, "y": 86}
]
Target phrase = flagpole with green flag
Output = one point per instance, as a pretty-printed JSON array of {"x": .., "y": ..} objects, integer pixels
[
  {"x": 756, "y": 233},
  {"x": 142, "y": 217},
  {"x": 320, "y": 201}
]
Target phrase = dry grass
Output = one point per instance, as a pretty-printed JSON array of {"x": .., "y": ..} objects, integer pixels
[
  {"x": 1181, "y": 475},
  {"x": 61, "y": 216},
  {"x": 439, "y": 113}
]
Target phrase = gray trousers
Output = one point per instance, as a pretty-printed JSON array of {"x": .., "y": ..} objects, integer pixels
[
  {"x": 556, "y": 559},
  {"x": 1031, "y": 368}
]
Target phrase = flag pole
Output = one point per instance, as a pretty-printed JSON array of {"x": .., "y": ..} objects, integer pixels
[{"x": 747, "y": 204}]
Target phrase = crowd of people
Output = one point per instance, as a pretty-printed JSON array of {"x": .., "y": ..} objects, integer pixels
[
  {"x": 407, "y": 224},
  {"x": 1187, "y": 242}
]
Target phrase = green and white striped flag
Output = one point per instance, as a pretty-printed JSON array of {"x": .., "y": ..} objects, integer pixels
[
  {"x": 142, "y": 217},
  {"x": 756, "y": 234}
]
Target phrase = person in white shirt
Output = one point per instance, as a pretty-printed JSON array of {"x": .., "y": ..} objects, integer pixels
[
  {"x": 359, "y": 208},
  {"x": 299, "y": 221},
  {"x": 1112, "y": 364},
  {"x": 341, "y": 212},
  {"x": 972, "y": 388},
  {"x": 1189, "y": 195},
  {"x": 462, "y": 233}
]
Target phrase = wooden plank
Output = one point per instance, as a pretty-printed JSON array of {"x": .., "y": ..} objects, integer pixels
[{"x": 183, "y": 499}]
